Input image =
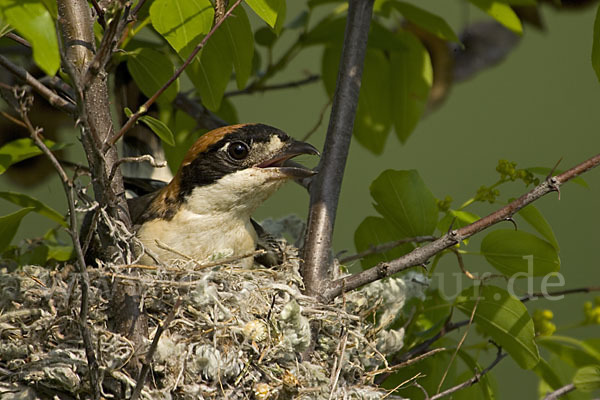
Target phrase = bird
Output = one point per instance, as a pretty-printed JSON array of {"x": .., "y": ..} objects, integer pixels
[{"x": 205, "y": 210}]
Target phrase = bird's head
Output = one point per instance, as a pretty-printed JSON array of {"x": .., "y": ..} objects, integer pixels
[{"x": 236, "y": 168}]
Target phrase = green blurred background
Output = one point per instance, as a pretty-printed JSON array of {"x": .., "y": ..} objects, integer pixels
[{"x": 540, "y": 105}]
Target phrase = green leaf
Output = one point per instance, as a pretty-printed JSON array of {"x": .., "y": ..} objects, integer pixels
[
  {"x": 574, "y": 352},
  {"x": 596, "y": 45},
  {"x": 502, "y": 13},
  {"x": 412, "y": 77},
  {"x": 548, "y": 375},
  {"x": 403, "y": 198},
  {"x": 426, "y": 20},
  {"x": 515, "y": 252},
  {"x": 265, "y": 37},
  {"x": 32, "y": 20},
  {"x": 237, "y": 32},
  {"x": 373, "y": 231},
  {"x": 23, "y": 200},
  {"x": 270, "y": 11},
  {"x": 156, "y": 125},
  {"x": 180, "y": 22},
  {"x": 211, "y": 71},
  {"x": 587, "y": 379},
  {"x": 22, "y": 149},
  {"x": 150, "y": 70},
  {"x": 534, "y": 217},
  {"x": 546, "y": 171},
  {"x": 485, "y": 387},
  {"x": 9, "y": 225},
  {"x": 374, "y": 115},
  {"x": 457, "y": 219},
  {"x": 505, "y": 319},
  {"x": 329, "y": 68},
  {"x": 328, "y": 30}
]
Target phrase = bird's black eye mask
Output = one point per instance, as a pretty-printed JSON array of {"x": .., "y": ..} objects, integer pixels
[{"x": 236, "y": 151}]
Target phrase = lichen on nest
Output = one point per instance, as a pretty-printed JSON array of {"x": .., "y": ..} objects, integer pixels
[{"x": 237, "y": 334}]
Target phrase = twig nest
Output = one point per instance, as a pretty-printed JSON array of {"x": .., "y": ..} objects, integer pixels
[{"x": 238, "y": 334}]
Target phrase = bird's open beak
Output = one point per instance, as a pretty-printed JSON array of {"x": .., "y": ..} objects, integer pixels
[{"x": 282, "y": 161}]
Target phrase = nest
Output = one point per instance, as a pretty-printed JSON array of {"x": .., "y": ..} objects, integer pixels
[{"x": 236, "y": 334}]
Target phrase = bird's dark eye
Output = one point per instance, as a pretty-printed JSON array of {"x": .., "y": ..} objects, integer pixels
[{"x": 238, "y": 150}]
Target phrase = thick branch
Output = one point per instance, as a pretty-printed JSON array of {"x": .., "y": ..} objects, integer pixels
[
  {"x": 325, "y": 190},
  {"x": 420, "y": 255},
  {"x": 558, "y": 393},
  {"x": 42, "y": 90}
]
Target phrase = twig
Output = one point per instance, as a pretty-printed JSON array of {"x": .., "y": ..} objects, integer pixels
[
  {"x": 381, "y": 248},
  {"x": 85, "y": 281},
  {"x": 409, "y": 380},
  {"x": 277, "y": 86},
  {"x": 163, "y": 326},
  {"x": 139, "y": 159},
  {"x": 18, "y": 39},
  {"x": 407, "y": 362},
  {"x": 461, "y": 264},
  {"x": 473, "y": 380},
  {"x": 54, "y": 99},
  {"x": 200, "y": 265},
  {"x": 560, "y": 392},
  {"x": 421, "y": 254},
  {"x": 325, "y": 189},
  {"x": 337, "y": 366},
  {"x": 13, "y": 119},
  {"x": 460, "y": 343},
  {"x": 144, "y": 107},
  {"x": 318, "y": 123},
  {"x": 534, "y": 296}
]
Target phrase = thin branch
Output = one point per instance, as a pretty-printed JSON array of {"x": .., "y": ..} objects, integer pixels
[
  {"x": 99, "y": 13},
  {"x": 204, "y": 118},
  {"x": 163, "y": 326},
  {"x": 81, "y": 266},
  {"x": 534, "y": 296},
  {"x": 139, "y": 159},
  {"x": 18, "y": 39},
  {"x": 421, "y": 254},
  {"x": 325, "y": 189},
  {"x": 318, "y": 123},
  {"x": 407, "y": 363},
  {"x": 144, "y": 107},
  {"x": 42, "y": 90},
  {"x": 382, "y": 248},
  {"x": 560, "y": 392},
  {"x": 473, "y": 380},
  {"x": 278, "y": 86}
]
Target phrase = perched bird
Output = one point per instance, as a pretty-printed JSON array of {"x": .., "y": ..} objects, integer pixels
[{"x": 206, "y": 209}]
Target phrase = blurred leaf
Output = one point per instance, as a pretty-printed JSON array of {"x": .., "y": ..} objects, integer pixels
[
  {"x": 412, "y": 77},
  {"x": 25, "y": 201},
  {"x": 59, "y": 253},
  {"x": 22, "y": 149},
  {"x": 587, "y": 379},
  {"x": 546, "y": 171},
  {"x": 505, "y": 319},
  {"x": 328, "y": 30},
  {"x": 185, "y": 135},
  {"x": 373, "y": 231},
  {"x": 426, "y": 20},
  {"x": 433, "y": 316},
  {"x": 574, "y": 352},
  {"x": 519, "y": 2},
  {"x": 34, "y": 22},
  {"x": 458, "y": 219},
  {"x": 270, "y": 11},
  {"x": 548, "y": 375},
  {"x": 237, "y": 33},
  {"x": 265, "y": 37},
  {"x": 160, "y": 128},
  {"x": 500, "y": 12},
  {"x": 150, "y": 70},
  {"x": 403, "y": 198},
  {"x": 374, "y": 115},
  {"x": 534, "y": 217},
  {"x": 511, "y": 252},
  {"x": 52, "y": 7},
  {"x": 596, "y": 44},
  {"x": 9, "y": 225},
  {"x": 329, "y": 68},
  {"x": 181, "y": 21}
]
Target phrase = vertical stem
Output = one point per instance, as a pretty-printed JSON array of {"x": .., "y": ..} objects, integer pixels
[{"x": 325, "y": 190}]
